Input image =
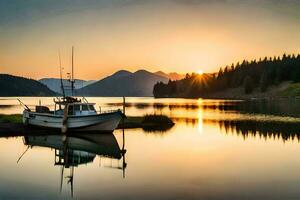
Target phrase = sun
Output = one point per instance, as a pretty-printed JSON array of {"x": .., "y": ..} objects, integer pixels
[{"x": 200, "y": 72}]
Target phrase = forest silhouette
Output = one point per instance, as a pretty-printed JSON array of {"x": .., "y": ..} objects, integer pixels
[{"x": 255, "y": 74}]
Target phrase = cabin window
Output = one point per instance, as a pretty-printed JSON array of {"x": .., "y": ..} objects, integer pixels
[
  {"x": 91, "y": 107},
  {"x": 84, "y": 107},
  {"x": 70, "y": 110},
  {"x": 77, "y": 108}
]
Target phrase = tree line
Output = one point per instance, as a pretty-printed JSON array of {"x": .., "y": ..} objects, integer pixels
[{"x": 254, "y": 74}]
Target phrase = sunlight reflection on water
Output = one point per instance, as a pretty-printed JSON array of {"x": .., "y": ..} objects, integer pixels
[{"x": 216, "y": 150}]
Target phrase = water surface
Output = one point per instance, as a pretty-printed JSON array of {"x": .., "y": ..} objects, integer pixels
[{"x": 216, "y": 150}]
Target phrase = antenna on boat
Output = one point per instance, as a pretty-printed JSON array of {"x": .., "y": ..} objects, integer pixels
[{"x": 61, "y": 81}]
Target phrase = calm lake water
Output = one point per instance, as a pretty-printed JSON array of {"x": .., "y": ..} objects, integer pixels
[{"x": 216, "y": 150}]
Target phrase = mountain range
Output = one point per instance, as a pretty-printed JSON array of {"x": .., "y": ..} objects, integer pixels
[
  {"x": 124, "y": 83},
  {"x": 172, "y": 76},
  {"x": 121, "y": 83},
  {"x": 54, "y": 84}
]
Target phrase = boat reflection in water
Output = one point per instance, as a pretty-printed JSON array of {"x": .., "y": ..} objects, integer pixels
[{"x": 75, "y": 150}]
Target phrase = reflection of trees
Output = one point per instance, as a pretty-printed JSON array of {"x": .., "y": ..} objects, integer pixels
[
  {"x": 252, "y": 128},
  {"x": 186, "y": 120},
  {"x": 157, "y": 123},
  {"x": 226, "y": 105},
  {"x": 222, "y": 106},
  {"x": 266, "y": 130},
  {"x": 157, "y": 129},
  {"x": 280, "y": 107}
]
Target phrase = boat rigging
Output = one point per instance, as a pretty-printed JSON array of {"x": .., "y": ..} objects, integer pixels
[{"x": 72, "y": 113}]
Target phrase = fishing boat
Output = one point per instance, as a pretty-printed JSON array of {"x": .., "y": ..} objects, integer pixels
[
  {"x": 74, "y": 115},
  {"x": 71, "y": 113}
]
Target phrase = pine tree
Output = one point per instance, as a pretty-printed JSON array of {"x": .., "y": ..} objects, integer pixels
[
  {"x": 263, "y": 84},
  {"x": 248, "y": 85}
]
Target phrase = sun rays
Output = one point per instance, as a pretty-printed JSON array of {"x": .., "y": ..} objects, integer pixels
[{"x": 200, "y": 72}]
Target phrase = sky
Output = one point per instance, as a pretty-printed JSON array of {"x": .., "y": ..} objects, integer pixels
[{"x": 169, "y": 35}]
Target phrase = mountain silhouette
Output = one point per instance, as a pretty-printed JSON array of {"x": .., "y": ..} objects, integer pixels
[
  {"x": 55, "y": 85},
  {"x": 124, "y": 83},
  {"x": 19, "y": 86},
  {"x": 172, "y": 76}
]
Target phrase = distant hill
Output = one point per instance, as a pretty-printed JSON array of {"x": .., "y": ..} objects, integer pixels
[
  {"x": 19, "y": 86},
  {"x": 172, "y": 76},
  {"x": 124, "y": 83},
  {"x": 54, "y": 84}
]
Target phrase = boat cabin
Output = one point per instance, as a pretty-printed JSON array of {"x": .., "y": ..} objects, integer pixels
[{"x": 75, "y": 109}]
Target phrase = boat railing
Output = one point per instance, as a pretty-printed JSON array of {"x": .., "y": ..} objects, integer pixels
[{"x": 101, "y": 110}]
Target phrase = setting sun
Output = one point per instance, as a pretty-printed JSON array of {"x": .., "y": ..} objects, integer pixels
[{"x": 200, "y": 72}]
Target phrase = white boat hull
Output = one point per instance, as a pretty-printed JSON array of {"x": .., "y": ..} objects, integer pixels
[{"x": 98, "y": 122}]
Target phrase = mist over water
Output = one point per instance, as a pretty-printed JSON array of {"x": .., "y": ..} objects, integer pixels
[{"x": 218, "y": 149}]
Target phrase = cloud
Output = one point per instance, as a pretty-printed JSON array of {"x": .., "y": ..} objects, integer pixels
[{"x": 20, "y": 12}]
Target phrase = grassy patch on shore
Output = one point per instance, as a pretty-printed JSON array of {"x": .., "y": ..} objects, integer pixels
[
  {"x": 293, "y": 90},
  {"x": 156, "y": 119},
  {"x": 147, "y": 122},
  {"x": 16, "y": 118}
]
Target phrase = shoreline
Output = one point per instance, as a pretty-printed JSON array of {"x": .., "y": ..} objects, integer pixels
[{"x": 285, "y": 90}]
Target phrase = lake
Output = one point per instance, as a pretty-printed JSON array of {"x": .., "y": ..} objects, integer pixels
[{"x": 217, "y": 149}]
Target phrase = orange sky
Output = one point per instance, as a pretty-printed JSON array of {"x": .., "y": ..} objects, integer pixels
[{"x": 181, "y": 36}]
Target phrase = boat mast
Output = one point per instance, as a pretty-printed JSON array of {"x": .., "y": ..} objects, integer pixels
[
  {"x": 61, "y": 81},
  {"x": 72, "y": 75}
]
